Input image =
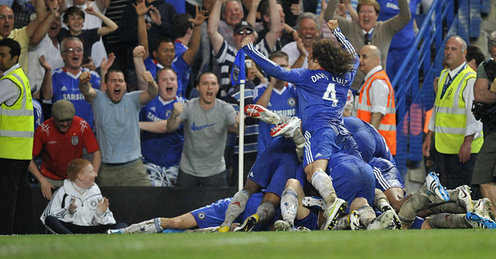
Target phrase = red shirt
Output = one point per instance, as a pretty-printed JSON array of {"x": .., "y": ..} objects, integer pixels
[{"x": 58, "y": 149}]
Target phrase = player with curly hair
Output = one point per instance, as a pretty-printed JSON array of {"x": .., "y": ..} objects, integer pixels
[{"x": 322, "y": 91}]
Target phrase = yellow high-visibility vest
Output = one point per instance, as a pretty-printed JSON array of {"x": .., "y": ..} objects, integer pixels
[
  {"x": 451, "y": 115},
  {"x": 17, "y": 121}
]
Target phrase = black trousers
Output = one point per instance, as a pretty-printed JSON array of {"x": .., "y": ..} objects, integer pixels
[
  {"x": 16, "y": 205},
  {"x": 187, "y": 180},
  {"x": 61, "y": 227},
  {"x": 452, "y": 172}
]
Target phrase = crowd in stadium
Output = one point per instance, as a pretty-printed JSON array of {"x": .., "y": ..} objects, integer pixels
[{"x": 149, "y": 93}]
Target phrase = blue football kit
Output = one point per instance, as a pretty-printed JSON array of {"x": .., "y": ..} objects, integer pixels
[
  {"x": 66, "y": 86},
  {"x": 321, "y": 100},
  {"x": 283, "y": 103},
  {"x": 213, "y": 215},
  {"x": 162, "y": 149}
]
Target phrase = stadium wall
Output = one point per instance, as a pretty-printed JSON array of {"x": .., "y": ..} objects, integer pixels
[{"x": 135, "y": 204}]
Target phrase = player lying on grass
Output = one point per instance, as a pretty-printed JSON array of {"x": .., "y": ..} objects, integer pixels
[
  {"x": 457, "y": 212},
  {"x": 206, "y": 218},
  {"x": 322, "y": 92}
]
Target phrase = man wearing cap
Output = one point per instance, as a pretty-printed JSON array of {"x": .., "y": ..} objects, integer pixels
[
  {"x": 60, "y": 140},
  {"x": 226, "y": 53},
  {"x": 16, "y": 141}
]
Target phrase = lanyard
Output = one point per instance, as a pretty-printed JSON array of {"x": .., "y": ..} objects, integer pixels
[{"x": 448, "y": 82}]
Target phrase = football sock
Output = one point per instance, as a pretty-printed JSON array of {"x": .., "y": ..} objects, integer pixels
[
  {"x": 148, "y": 226},
  {"x": 266, "y": 211},
  {"x": 298, "y": 139},
  {"x": 289, "y": 205},
  {"x": 323, "y": 183},
  {"x": 380, "y": 199},
  {"x": 448, "y": 220},
  {"x": 412, "y": 206},
  {"x": 367, "y": 215},
  {"x": 449, "y": 207},
  {"x": 236, "y": 207}
]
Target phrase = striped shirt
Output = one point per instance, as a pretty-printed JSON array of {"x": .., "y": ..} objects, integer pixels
[{"x": 225, "y": 58}]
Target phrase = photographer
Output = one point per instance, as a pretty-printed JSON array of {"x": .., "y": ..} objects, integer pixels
[{"x": 485, "y": 93}]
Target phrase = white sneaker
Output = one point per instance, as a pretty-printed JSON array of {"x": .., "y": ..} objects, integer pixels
[
  {"x": 464, "y": 199},
  {"x": 396, "y": 219},
  {"x": 259, "y": 112},
  {"x": 434, "y": 187},
  {"x": 282, "y": 225},
  {"x": 382, "y": 222},
  {"x": 332, "y": 213},
  {"x": 287, "y": 129},
  {"x": 311, "y": 201},
  {"x": 483, "y": 208}
]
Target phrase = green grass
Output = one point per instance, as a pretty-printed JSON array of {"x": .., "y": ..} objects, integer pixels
[{"x": 318, "y": 244}]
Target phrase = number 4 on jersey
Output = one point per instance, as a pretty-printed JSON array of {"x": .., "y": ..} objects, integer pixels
[{"x": 330, "y": 94}]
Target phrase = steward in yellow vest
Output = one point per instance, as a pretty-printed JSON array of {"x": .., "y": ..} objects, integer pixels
[
  {"x": 451, "y": 115},
  {"x": 16, "y": 118},
  {"x": 16, "y": 142},
  {"x": 457, "y": 134}
]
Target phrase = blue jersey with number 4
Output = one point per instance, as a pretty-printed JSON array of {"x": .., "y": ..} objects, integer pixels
[{"x": 321, "y": 95}]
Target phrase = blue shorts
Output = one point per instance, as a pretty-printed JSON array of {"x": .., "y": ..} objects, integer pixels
[
  {"x": 386, "y": 174},
  {"x": 322, "y": 142},
  {"x": 351, "y": 177},
  {"x": 275, "y": 166},
  {"x": 213, "y": 215},
  {"x": 310, "y": 221},
  {"x": 370, "y": 142}
]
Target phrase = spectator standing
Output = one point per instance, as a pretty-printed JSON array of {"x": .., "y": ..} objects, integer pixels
[
  {"x": 458, "y": 136},
  {"x": 278, "y": 96},
  {"x": 74, "y": 19},
  {"x": 64, "y": 83},
  {"x": 28, "y": 35},
  {"x": 308, "y": 28},
  {"x": 367, "y": 30},
  {"x": 16, "y": 141},
  {"x": 206, "y": 121},
  {"x": 402, "y": 40},
  {"x": 161, "y": 149},
  {"x": 117, "y": 127},
  {"x": 485, "y": 92}
]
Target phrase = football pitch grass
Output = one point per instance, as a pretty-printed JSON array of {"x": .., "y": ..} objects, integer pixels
[{"x": 469, "y": 243}]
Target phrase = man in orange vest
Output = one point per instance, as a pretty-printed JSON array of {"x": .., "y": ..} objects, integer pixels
[{"x": 376, "y": 100}]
